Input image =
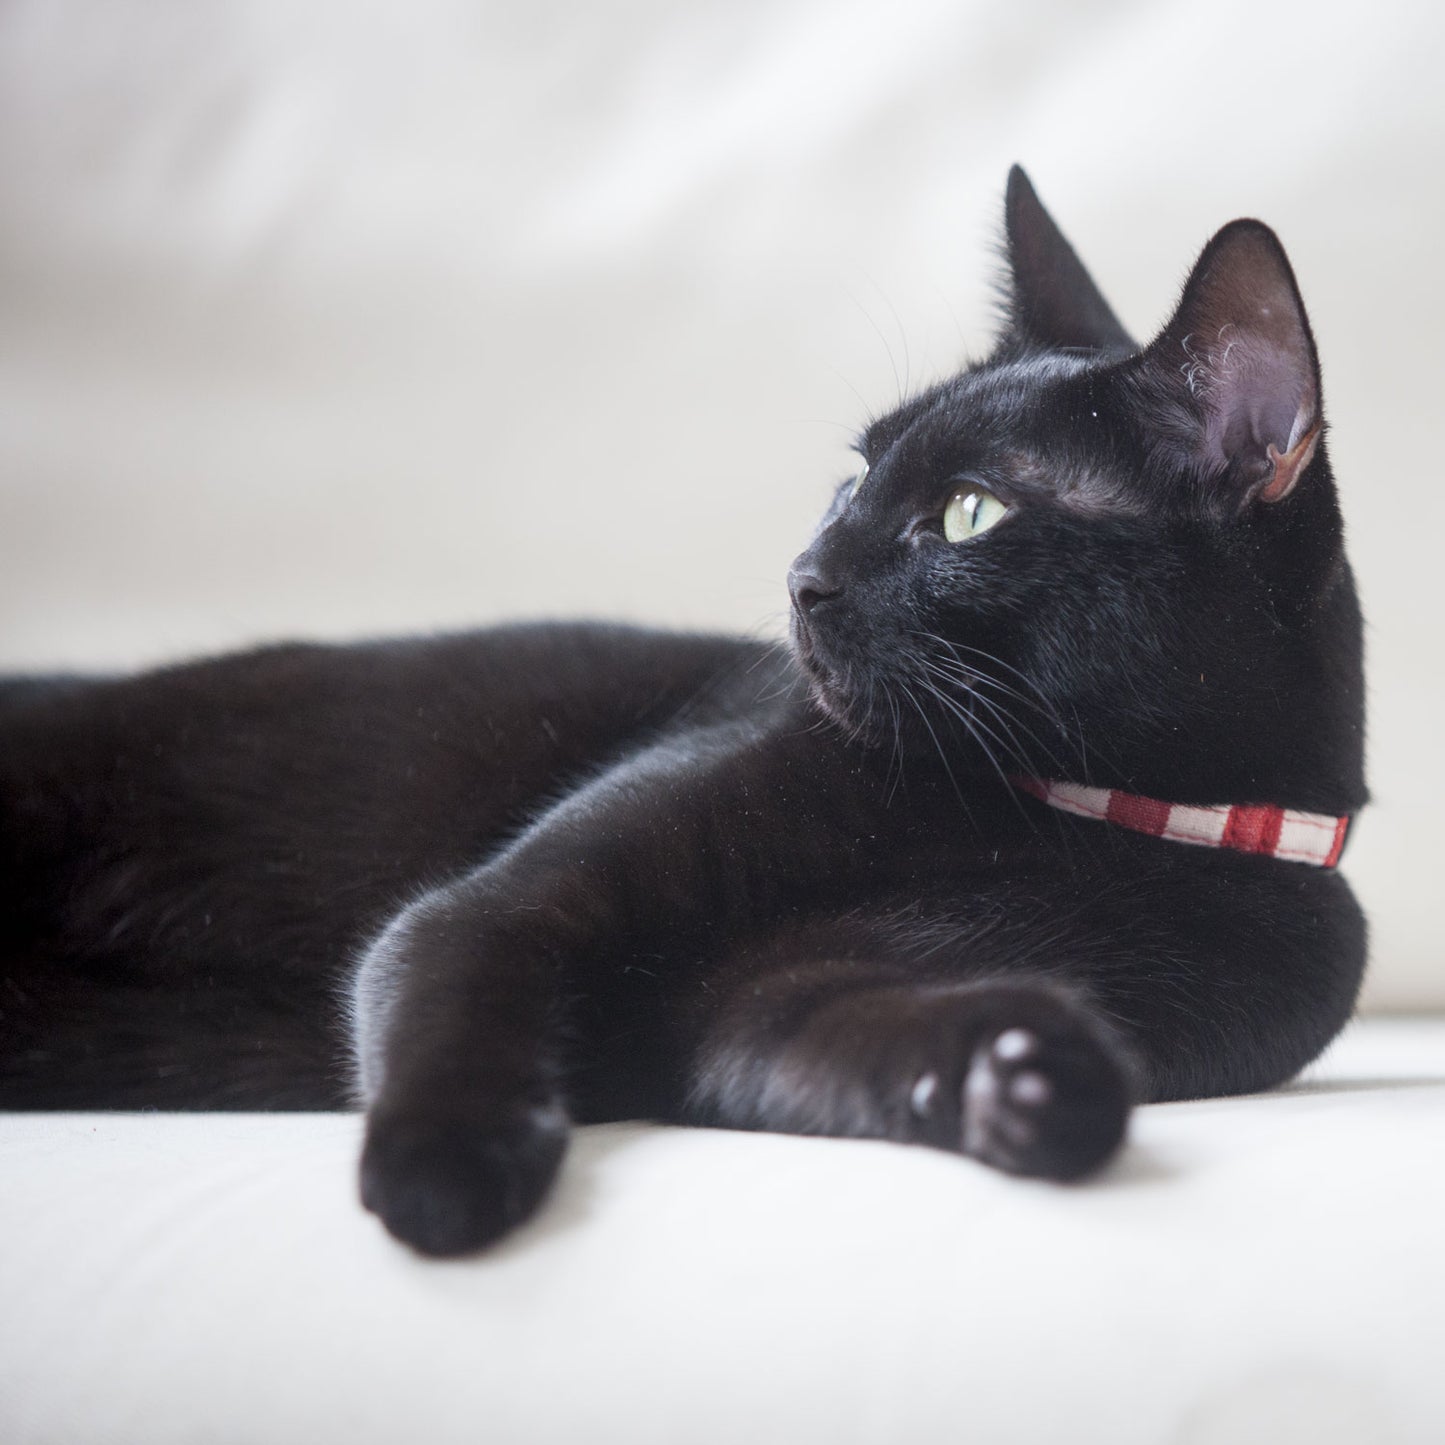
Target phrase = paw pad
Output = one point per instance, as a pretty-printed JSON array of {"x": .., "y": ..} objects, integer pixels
[
  {"x": 925, "y": 1091},
  {"x": 1053, "y": 1108},
  {"x": 1015, "y": 1045}
]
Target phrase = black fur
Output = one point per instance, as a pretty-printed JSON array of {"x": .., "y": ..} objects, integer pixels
[{"x": 495, "y": 882}]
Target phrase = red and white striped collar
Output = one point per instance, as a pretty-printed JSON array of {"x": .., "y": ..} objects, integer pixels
[{"x": 1247, "y": 828}]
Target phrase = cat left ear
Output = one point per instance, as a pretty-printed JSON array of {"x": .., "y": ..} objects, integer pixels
[
  {"x": 1239, "y": 348},
  {"x": 1052, "y": 301}
]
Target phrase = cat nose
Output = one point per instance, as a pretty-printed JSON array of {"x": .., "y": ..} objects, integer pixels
[{"x": 808, "y": 588}]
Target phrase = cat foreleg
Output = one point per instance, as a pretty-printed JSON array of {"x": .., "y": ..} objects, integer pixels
[
  {"x": 459, "y": 1009},
  {"x": 466, "y": 1121},
  {"x": 1018, "y": 1074}
]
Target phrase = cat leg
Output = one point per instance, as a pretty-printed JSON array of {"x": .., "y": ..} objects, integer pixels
[
  {"x": 458, "y": 1069},
  {"x": 1018, "y": 1073},
  {"x": 1017, "y": 1024},
  {"x": 458, "y": 1017}
]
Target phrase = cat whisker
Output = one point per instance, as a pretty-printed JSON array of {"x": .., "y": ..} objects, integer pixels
[
  {"x": 887, "y": 348},
  {"x": 942, "y": 753},
  {"x": 784, "y": 680},
  {"x": 891, "y": 782},
  {"x": 978, "y": 686},
  {"x": 1011, "y": 726},
  {"x": 1031, "y": 688},
  {"x": 1035, "y": 697},
  {"x": 897, "y": 757},
  {"x": 978, "y": 730},
  {"x": 981, "y": 732},
  {"x": 773, "y": 649},
  {"x": 975, "y": 679},
  {"x": 976, "y": 682}
]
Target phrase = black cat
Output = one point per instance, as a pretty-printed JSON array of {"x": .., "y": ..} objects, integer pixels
[{"x": 539, "y": 874}]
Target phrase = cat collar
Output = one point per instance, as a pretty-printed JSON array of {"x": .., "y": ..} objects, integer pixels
[{"x": 1284, "y": 833}]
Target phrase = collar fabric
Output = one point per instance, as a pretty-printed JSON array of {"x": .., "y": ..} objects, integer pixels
[{"x": 1287, "y": 833}]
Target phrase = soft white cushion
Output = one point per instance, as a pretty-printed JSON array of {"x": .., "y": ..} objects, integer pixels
[{"x": 1252, "y": 1270}]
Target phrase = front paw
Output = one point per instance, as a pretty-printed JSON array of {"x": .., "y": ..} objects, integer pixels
[
  {"x": 1050, "y": 1105},
  {"x": 448, "y": 1184}
]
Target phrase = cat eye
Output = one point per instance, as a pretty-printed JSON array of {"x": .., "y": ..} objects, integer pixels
[
  {"x": 971, "y": 511},
  {"x": 858, "y": 482}
]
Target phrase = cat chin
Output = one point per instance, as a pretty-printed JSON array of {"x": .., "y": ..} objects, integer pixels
[
  {"x": 841, "y": 709},
  {"x": 838, "y": 705}
]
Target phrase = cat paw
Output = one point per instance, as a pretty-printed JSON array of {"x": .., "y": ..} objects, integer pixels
[
  {"x": 1052, "y": 1107},
  {"x": 448, "y": 1186}
]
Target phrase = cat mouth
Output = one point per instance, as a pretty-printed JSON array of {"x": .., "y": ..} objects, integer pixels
[
  {"x": 829, "y": 690},
  {"x": 832, "y": 701},
  {"x": 805, "y": 649}
]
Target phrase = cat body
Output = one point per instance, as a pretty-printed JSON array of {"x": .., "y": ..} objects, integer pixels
[{"x": 495, "y": 882}]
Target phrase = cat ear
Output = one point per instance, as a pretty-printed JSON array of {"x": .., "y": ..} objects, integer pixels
[
  {"x": 1239, "y": 349},
  {"x": 1051, "y": 300}
]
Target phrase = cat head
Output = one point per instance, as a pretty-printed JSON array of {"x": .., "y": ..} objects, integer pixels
[{"x": 1082, "y": 558}]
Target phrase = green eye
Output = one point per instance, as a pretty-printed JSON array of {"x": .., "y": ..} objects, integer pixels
[
  {"x": 858, "y": 482},
  {"x": 971, "y": 511}
]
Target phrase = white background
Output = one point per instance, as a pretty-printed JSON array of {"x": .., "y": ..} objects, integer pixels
[{"x": 338, "y": 319}]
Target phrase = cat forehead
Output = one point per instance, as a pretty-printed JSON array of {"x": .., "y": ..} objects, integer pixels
[
  {"x": 1048, "y": 425},
  {"x": 991, "y": 404}
]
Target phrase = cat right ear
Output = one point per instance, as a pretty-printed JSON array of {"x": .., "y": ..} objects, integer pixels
[
  {"x": 1238, "y": 360},
  {"x": 1051, "y": 302}
]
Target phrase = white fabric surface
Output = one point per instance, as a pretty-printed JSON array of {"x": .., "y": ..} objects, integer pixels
[
  {"x": 1262, "y": 1271},
  {"x": 325, "y": 318}
]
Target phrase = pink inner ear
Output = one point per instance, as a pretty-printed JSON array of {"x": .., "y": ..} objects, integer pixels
[
  {"x": 1289, "y": 466},
  {"x": 1241, "y": 345},
  {"x": 1253, "y": 373}
]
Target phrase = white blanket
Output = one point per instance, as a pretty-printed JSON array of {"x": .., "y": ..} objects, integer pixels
[{"x": 1261, "y": 1271}]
